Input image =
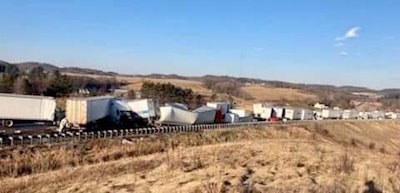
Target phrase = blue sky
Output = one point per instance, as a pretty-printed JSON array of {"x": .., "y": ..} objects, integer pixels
[{"x": 340, "y": 42}]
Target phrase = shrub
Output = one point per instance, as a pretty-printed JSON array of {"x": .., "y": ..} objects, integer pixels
[{"x": 371, "y": 146}]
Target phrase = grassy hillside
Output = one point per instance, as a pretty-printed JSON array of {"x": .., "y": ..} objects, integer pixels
[{"x": 326, "y": 157}]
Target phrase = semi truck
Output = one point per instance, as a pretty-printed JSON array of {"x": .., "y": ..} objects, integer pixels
[
  {"x": 350, "y": 114},
  {"x": 331, "y": 113},
  {"x": 88, "y": 112},
  {"x": 15, "y": 108}
]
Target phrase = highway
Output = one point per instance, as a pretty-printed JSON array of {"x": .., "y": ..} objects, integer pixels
[{"x": 47, "y": 136}]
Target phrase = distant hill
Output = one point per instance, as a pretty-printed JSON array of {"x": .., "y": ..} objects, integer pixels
[
  {"x": 87, "y": 71},
  {"x": 356, "y": 89},
  {"x": 27, "y": 66}
]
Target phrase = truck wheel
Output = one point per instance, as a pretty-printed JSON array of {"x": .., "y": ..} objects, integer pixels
[{"x": 8, "y": 123}]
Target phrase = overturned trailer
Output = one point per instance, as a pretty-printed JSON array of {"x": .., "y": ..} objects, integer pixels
[
  {"x": 244, "y": 115},
  {"x": 241, "y": 112},
  {"x": 232, "y": 118},
  {"x": 205, "y": 115},
  {"x": 146, "y": 108},
  {"x": 170, "y": 115},
  {"x": 16, "y": 108}
]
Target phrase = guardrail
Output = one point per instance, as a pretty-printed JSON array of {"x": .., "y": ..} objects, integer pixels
[{"x": 68, "y": 137}]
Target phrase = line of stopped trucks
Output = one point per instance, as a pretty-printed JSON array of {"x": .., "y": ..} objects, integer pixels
[{"x": 26, "y": 113}]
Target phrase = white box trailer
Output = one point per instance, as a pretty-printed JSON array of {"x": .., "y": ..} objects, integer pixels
[
  {"x": 205, "y": 115},
  {"x": 220, "y": 105},
  {"x": 145, "y": 108},
  {"x": 307, "y": 114},
  {"x": 331, "y": 113},
  {"x": 82, "y": 111},
  {"x": 293, "y": 114},
  {"x": 176, "y": 116},
  {"x": 279, "y": 112},
  {"x": 377, "y": 115},
  {"x": 267, "y": 112},
  {"x": 241, "y": 112},
  {"x": 350, "y": 114},
  {"x": 318, "y": 114},
  {"x": 15, "y": 107},
  {"x": 391, "y": 115},
  {"x": 364, "y": 115},
  {"x": 258, "y": 109},
  {"x": 232, "y": 118}
]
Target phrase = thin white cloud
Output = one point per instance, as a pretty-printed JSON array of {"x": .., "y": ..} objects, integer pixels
[
  {"x": 344, "y": 53},
  {"x": 351, "y": 33},
  {"x": 339, "y": 44}
]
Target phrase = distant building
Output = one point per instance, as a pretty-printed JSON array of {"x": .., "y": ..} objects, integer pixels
[
  {"x": 83, "y": 91},
  {"x": 320, "y": 106}
]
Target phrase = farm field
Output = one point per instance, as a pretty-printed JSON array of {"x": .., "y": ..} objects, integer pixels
[
  {"x": 258, "y": 93},
  {"x": 327, "y": 157}
]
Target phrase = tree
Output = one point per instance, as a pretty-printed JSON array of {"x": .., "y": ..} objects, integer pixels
[
  {"x": 60, "y": 86},
  {"x": 37, "y": 72},
  {"x": 12, "y": 71},
  {"x": 22, "y": 86},
  {"x": 213, "y": 97},
  {"x": 6, "y": 84},
  {"x": 131, "y": 94},
  {"x": 2, "y": 68},
  {"x": 38, "y": 80}
]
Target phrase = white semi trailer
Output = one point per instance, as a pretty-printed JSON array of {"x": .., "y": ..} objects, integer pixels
[
  {"x": 85, "y": 112},
  {"x": 146, "y": 108},
  {"x": 293, "y": 114},
  {"x": 25, "y": 108},
  {"x": 177, "y": 116},
  {"x": 331, "y": 113},
  {"x": 223, "y": 106},
  {"x": 350, "y": 114},
  {"x": 307, "y": 114}
]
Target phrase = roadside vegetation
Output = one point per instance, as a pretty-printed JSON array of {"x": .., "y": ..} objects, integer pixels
[
  {"x": 328, "y": 157},
  {"x": 38, "y": 81},
  {"x": 167, "y": 92}
]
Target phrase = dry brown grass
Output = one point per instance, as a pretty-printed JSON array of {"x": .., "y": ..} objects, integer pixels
[
  {"x": 307, "y": 158},
  {"x": 262, "y": 93}
]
